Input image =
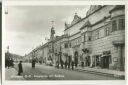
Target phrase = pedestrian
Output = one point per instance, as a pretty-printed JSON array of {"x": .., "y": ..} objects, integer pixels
[
  {"x": 61, "y": 62},
  {"x": 66, "y": 61},
  {"x": 7, "y": 63},
  {"x": 72, "y": 65},
  {"x": 33, "y": 63},
  {"x": 57, "y": 64},
  {"x": 76, "y": 60},
  {"x": 20, "y": 68},
  {"x": 69, "y": 61},
  {"x": 82, "y": 60},
  {"x": 11, "y": 62},
  {"x": 66, "y": 64},
  {"x": 72, "y": 62}
]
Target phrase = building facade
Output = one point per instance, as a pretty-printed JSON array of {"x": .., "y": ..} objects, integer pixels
[
  {"x": 101, "y": 36},
  {"x": 98, "y": 39}
]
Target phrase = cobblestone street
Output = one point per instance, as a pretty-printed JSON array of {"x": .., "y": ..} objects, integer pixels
[{"x": 43, "y": 72}]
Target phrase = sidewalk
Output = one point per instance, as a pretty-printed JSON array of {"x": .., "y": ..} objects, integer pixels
[
  {"x": 107, "y": 72},
  {"x": 11, "y": 74}
]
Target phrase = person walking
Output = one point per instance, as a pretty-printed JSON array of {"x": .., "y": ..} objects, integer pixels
[
  {"x": 33, "y": 63},
  {"x": 66, "y": 59},
  {"x": 82, "y": 60},
  {"x": 20, "y": 68},
  {"x": 76, "y": 59},
  {"x": 72, "y": 62},
  {"x": 69, "y": 61}
]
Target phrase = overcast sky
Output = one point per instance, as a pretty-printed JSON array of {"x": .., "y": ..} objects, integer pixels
[{"x": 27, "y": 26}]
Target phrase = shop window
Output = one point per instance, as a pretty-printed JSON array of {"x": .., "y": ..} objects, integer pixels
[
  {"x": 121, "y": 24},
  {"x": 114, "y": 25}
]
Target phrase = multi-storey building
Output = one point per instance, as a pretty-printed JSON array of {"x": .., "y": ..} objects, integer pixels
[{"x": 100, "y": 36}]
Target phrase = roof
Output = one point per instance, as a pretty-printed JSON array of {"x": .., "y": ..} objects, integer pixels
[
  {"x": 87, "y": 24},
  {"x": 92, "y": 9},
  {"x": 87, "y": 15},
  {"x": 117, "y": 7},
  {"x": 76, "y": 19}
]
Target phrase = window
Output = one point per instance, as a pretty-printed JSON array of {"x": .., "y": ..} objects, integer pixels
[
  {"x": 85, "y": 37},
  {"x": 121, "y": 24},
  {"x": 107, "y": 31},
  {"x": 114, "y": 25},
  {"x": 77, "y": 41},
  {"x": 72, "y": 43},
  {"x": 97, "y": 34},
  {"x": 82, "y": 38},
  {"x": 93, "y": 35},
  {"x": 66, "y": 45},
  {"x": 89, "y": 38}
]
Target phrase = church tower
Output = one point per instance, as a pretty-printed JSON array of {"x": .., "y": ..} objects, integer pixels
[{"x": 52, "y": 32}]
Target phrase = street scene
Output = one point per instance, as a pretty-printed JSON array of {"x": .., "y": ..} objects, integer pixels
[
  {"x": 65, "y": 42},
  {"x": 0, "y": 39}
]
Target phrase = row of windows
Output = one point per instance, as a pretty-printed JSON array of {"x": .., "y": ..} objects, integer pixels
[
  {"x": 86, "y": 38},
  {"x": 118, "y": 24},
  {"x": 76, "y": 42},
  {"x": 72, "y": 43}
]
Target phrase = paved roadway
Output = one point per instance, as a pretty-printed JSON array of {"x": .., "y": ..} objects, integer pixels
[{"x": 43, "y": 72}]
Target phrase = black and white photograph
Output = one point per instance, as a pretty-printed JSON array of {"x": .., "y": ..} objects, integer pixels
[
  {"x": 65, "y": 42},
  {"x": 0, "y": 40}
]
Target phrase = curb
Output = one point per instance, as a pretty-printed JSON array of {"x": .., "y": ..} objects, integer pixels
[
  {"x": 101, "y": 73},
  {"x": 122, "y": 77}
]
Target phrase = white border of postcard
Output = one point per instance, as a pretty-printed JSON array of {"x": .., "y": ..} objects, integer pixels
[{"x": 62, "y": 82}]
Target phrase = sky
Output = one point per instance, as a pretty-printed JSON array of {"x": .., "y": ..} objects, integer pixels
[{"x": 28, "y": 26}]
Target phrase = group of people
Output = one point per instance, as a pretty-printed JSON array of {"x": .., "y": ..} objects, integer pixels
[
  {"x": 9, "y": 62},
  {"x": 70, "y": 62}
]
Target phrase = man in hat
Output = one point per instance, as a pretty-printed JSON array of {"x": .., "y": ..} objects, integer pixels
[{"x": 20, "y": 68}]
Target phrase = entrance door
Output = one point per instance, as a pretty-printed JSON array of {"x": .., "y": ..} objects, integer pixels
[{"x": 105, "y": 61}]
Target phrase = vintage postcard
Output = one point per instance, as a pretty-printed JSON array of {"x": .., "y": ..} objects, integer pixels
[{"x": 64, "y": 43}]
